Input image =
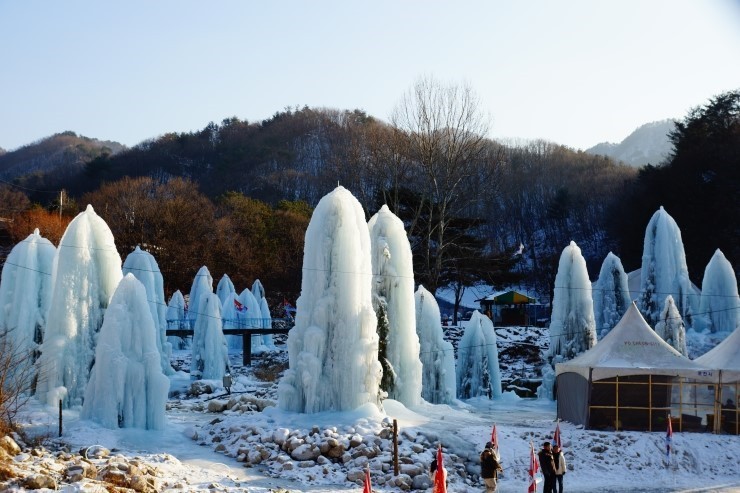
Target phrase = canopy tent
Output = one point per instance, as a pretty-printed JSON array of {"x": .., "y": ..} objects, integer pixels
[
  {"x": 725, "y": 357},
  {"x": 632, "y": 379}
]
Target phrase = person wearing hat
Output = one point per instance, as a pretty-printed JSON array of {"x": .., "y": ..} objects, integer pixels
[
  {"x": 559, "y": 460},
  {"x": 489, "y": 468}
]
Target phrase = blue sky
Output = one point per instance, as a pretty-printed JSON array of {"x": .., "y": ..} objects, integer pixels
[{"x": 575, "y": 72}]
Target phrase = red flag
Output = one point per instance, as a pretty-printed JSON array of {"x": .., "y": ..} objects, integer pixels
[
  {"x": 669, "y": 438},
  {"x": 440, "y": 475},
  {"x": 494, "y": 438},
  {"x": 534, "y": 466},
  {"x": 368, "y": 487},
  {"x": 238, "y": 305},
  {"x": 556, "y": 437}
]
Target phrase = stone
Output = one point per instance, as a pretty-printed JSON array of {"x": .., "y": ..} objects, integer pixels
[
  {"x": 39, "y": 481},
  {"x": 305, "y": 452},
  {"x": 9, "y": 445},
  {"x": 421, "y": 482},
  {"x": 216, "y": 406}
]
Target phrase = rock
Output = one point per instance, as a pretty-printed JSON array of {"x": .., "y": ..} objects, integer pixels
[
  {"x": 403, "y": 482},
  {"x": 280, "y": 435},
  {"x": 22, "y": 457},
  {"x": 288, "y": 466},
  {"x": 9, "y": 445},
  {"x": 305, "y": 452},
  {"x": 95, "y": 452},
  {"x": 421, "y": 482},
  {"x": 355, "y": 441},
  {"x": 411, "y": 469},
  {"x": 74, "y": 473},
  {"x": 216, "y": 406},
  {"x": 138, "y": 483},
  {"x": 114, "y": 476},
  {"x": 199, "y": 388},
  {"x": 39, "y": 481},
  {"x": 355, "y": 475}
]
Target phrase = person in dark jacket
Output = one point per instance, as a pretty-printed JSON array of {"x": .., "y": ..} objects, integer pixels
[
  {"x": 547, "y": 465},
  {"x": 489, "y": 468}
]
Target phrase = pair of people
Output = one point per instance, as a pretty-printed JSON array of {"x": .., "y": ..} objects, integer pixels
[
  {"x": 489, "y": 467},
  {"x": 552, "y": 463}
]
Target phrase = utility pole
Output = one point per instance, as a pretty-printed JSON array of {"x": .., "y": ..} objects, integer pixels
[{"x": 61, "y": 203}]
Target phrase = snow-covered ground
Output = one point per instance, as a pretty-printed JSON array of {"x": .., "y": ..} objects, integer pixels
[{"x": 200, "y": 450}]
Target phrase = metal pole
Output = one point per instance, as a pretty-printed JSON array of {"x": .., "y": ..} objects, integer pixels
[
  {"x": 60, "y": 417},
  {"x": 247, "y": 348}
]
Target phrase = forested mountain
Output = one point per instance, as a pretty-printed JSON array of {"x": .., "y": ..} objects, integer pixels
[
  {"x": 699, "y": 186},
  {"x": 475, "y": 210},
  {"x": 648, "y": 144},
  {"x": 64, "y": 155}
]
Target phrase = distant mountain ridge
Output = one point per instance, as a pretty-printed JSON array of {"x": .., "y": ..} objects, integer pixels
[
  {"x": 648, "y": 144},
  {"x": 62, "y": 152}
]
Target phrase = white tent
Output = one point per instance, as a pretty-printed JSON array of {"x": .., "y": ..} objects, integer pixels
[
  {"x": 725, "y": 357},
  {"x": 630, "y": 379}
]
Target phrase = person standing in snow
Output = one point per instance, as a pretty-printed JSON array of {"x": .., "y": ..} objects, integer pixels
[
  {"x": 489, "y": 468},
  {"x": 547, "y": 464},
  {"x": 559, "y": 460}
]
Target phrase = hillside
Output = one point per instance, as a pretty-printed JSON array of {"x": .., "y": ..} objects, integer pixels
[
  {"x": 648, "y": 144},
  {"x": 62, "y": 154}
]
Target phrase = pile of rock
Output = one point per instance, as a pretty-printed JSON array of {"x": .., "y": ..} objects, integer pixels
[
  {"x": 93, "y": 469},
  {"x": 332, "y": 454}
]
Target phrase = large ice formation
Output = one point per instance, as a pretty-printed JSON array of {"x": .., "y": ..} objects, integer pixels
[
  {"x": 176, "y": 319},
  {"x": 234, "y": 316},
  {"x": 478, "y": 371},
  {"x": 25, "y": 293},
  {"x": 572, "y": 329},
  {"x": 202, "y": 286},
  {"x": 127, "y": 388},
  {"x": 225, "y": 288},
  {"x": 393, "y": 297},
  {"x": 145, "y": 268},
  {"x": 720, "y": 304},
  {"x": 258, "y": 291},
  {"x": 87, "y": 269},
  {"x": 333, "y": 348},
  {"x": 437, "y": 356},
  {"x": 611, "y": 295},
  {"x": 670, "y": 326},
  {"x": 664, "y": 271},
  {"x": 253, "y": 316},
  {"x": 210, "y": 355},
  {"x": 266, "y": 323}
]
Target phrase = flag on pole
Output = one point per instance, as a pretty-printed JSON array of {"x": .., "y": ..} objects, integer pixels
[
  {"x": 556, "y": 437},
  {"x": 239, "y": 306},
  {"x": 440, "y": 475},
  {"x": 494, "y": 438},
  {"x": 368, "y": 487},
  {"x": 669, "y": 439},
  {"x": 533, "y": 468}
]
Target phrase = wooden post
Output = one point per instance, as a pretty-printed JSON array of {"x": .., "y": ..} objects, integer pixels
[
  {"x": 60, "y": 417},
  {"x": 395, "y": 447}
]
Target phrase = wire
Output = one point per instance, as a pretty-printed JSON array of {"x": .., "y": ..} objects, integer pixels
[{"x": 29, "y": 189}]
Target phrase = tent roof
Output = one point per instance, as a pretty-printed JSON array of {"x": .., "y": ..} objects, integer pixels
[
  {"x": 633, "y": 348},
  {"x": 508, "y": 298},
  {"x": 725, "y": 356}
]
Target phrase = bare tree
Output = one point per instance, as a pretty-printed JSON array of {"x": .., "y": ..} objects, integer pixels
[
  {"x": 446, "y": 133},
  {"x": 16, "y": 378}
]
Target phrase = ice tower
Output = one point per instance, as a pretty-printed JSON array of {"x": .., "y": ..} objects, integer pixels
[
  {"x": 393, "y": 295},
  {"x": 87, "y": 269},
  {"x": 333, "y": 348}
]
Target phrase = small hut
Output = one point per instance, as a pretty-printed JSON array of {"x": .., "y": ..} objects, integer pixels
[{"x": 507, "y": 307}]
